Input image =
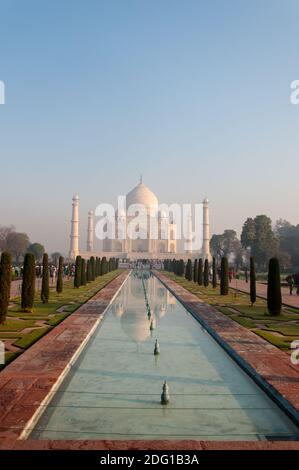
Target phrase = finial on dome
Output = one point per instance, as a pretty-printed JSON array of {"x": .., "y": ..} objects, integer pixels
[{"x": 141, "y": 178}]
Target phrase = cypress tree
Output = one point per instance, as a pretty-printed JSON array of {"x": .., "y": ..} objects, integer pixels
[
  {"x": 28, "y": 284},
  {"x": 182, "y": 267},
  {"x": 77, "y": 278},
  {"x": 214, "y": 281},
  {"x": 104, "y": 267},
  {"x": 224, "y": 276},
  {"x": 173, "y": 265},
  {"x": 199, "y": 276},
  {"x": 252, "y": 282},
  {"x": 116, "y": 263},
  {"x": 93, "y": 268},
  {"x": 83, "y": 272},
  {"x": 175, "y": 268},
  {"x": 89, "y": 271},
  {"x": 195, "y": 271},
  {"x": 59, "y": 284},
  {"x": 274, "y": 300},
  {"x": 189, "y": 270},
  {"x": 5, "y": 283},
  {"x": 44, "y": 295},
  {"x": 206, "y": 273}
]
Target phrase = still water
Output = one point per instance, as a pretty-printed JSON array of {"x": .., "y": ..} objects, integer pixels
[{"x": 113, "y": 390}]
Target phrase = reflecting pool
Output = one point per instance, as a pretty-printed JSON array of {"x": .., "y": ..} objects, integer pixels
[{"x": 113, "y": 390}]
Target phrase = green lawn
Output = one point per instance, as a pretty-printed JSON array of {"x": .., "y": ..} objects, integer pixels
[
  {"x": 57, "y": 319},
  {"x": 285, "y": 329},
  {"x": 16, "y": 325},
  {"x": 30, "y": 338},
  {"x": 244, "y": 321},
  {"x": 279, "y": 342},
  {"x": 237, "y": 306}
]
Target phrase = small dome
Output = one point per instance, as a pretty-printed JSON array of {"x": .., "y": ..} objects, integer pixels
[
  {"x": 75, "y": 197},
  {"x": 205, "y": 201},
  {"x": 141, "y": 194}
]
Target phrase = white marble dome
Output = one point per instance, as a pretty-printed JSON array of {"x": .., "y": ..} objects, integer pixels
[{"x": 141, "y": 194}]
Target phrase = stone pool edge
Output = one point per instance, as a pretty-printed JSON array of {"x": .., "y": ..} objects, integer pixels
[{"x": 263, "y": 370}]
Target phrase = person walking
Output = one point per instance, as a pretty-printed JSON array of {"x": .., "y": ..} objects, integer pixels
[{"x": 291, "y": 284}]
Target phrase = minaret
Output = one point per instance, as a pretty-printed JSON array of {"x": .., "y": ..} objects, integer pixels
[
  {"x": 74, "y": 246},
  {"x": 90, "y": 231},
  {"x": 206, "y": 230},
  {"x": 188, "y": 244}
]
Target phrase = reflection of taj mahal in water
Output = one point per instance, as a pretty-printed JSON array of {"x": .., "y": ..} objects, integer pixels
[
  {"x": 165, "y": 246},
  {"x": 135, "y": 322}
]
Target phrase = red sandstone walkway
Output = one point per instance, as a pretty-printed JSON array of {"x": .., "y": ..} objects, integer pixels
[
  {"x": 15, "y": 288},
  {"x": 118, "y": 445},
  {"x": 27, "y": 382},
  {"x": 261, "y": 291}
]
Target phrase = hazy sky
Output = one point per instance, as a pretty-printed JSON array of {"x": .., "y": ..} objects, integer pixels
[{"x": 193, "y": 94}]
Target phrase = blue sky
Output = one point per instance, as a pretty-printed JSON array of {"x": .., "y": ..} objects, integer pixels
[{"x": 192, "y": 94}]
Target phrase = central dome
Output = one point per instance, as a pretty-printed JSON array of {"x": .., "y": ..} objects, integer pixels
[{"x": 141, "y": 194}]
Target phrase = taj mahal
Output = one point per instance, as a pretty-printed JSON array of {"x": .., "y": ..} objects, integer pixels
[{"x": 143, "y": 247}]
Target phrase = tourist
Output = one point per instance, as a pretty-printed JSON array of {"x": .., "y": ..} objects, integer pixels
[{"x": 291, "y": 284}]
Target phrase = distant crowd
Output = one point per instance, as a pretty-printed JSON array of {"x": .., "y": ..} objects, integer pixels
[{"x": 68, "y": 271}]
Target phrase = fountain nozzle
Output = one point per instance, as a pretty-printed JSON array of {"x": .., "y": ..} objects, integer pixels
[{"x": 165, "y": 397}]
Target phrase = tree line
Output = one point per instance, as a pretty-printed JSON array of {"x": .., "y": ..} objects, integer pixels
[
  {"x": 88, "y": 271},
  {"x": 201, "y": 273},
  {"x": 85, "y": 271},
  {"x": 261, "y": 240},
  {"x": 18, "y": 244}
]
